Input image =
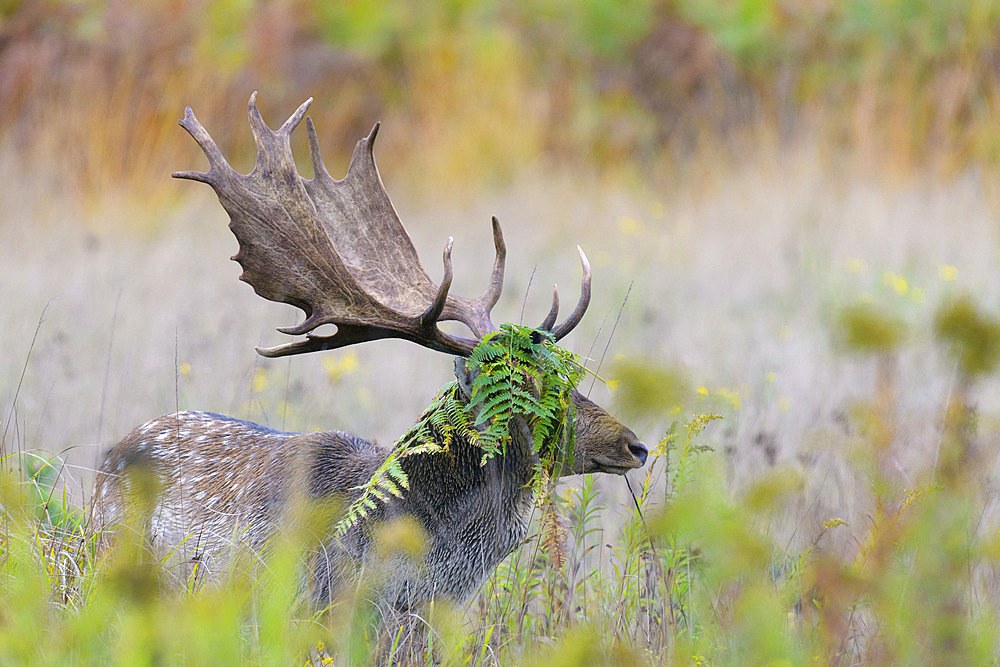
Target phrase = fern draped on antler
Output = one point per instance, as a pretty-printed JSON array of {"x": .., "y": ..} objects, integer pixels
[{"x": 521, "y": 373}]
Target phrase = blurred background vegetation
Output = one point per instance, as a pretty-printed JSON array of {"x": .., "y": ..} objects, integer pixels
[
  {"x": 791, "y": 209},
  {"x": 484, "y": 87}
]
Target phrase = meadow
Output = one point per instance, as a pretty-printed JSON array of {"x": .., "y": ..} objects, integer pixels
[{"x": 803, "y": 327}]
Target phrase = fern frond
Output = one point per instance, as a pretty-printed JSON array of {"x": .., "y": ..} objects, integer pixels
[{"x": 518, "y": 377}]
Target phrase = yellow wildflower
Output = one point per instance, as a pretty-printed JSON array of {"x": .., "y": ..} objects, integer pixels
[
  {"x": 733, "y": 397},
  {"x": 337, "y": 367},
  {"x": 259, "y": 380},
  {"x": 895, "y": 281}
]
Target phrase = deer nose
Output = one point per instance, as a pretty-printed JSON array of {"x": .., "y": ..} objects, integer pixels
[{"x": 640, "y": 452}]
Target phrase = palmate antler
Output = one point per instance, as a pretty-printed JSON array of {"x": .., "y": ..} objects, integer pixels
[{"x": 337, "y": 250}]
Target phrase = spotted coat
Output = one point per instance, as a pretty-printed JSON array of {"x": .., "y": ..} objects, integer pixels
[{"x": 225, "y": 484}]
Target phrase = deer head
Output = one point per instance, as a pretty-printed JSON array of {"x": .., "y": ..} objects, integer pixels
[{"x": 337, "y": 250}]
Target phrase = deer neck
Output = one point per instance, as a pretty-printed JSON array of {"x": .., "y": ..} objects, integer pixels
[
  {"x": 458, "y": 475},
  {"x": 474, "y": 514}
]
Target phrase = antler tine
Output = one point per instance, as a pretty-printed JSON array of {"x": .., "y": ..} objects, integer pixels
[
  {"x": 293, "y": 121},
  {"x": 267, "y": 139},
  {"x": 492, "y": 293},
  {"x": 364, "y": 153},
  {"x": 208, "y": 147},
  {"x": 257, "y": 125},
  {"x": 345, "y": 336},
  {"x": 550, "y": 319},
  {"x": 319, "y": 168},
  {"x": 342, "y": 338},
  {"x": 264, "y": 137},
  {"x": 475, "y": 313},
  {"x": 430, "y": 316},
  {"x": 581, "y": 307}
]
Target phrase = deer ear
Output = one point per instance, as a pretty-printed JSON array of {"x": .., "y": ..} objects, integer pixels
[{"x": 466, "y": 374}]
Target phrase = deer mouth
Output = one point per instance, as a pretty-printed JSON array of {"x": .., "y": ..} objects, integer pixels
[{"x": 611, "y": 468}]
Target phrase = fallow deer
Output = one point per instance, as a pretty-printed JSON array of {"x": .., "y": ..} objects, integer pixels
[{"x": 337, "y": 250}]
